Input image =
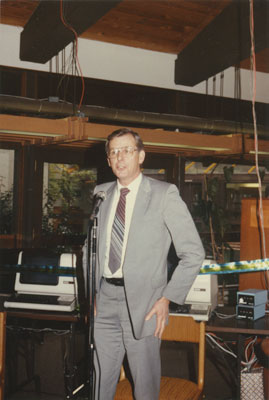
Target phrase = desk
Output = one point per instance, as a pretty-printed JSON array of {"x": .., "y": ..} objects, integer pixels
[
  {"x": 234, "y": 325},
  {"x": 38, "y": 321},
  {"x": 240, "y": 328}
]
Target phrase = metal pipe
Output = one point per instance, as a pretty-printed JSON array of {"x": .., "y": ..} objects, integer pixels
[{"x": 56, "y": 108}]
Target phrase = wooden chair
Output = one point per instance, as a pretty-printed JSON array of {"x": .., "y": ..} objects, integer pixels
[
  {"x": 179, "y": 329},
  {"x": 2, "y": 352}
]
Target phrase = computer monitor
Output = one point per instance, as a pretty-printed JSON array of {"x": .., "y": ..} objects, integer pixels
[
  {"x": 44, "y": 282},
  {"x": 204, "y": 290}
]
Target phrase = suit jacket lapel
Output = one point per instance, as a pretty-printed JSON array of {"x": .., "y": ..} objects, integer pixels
[
  {"x": 142, "y": 201},
  {"x": 140, "y": 208}
]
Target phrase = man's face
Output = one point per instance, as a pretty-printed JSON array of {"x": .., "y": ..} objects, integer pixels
[{"x": 126, "y": 167}]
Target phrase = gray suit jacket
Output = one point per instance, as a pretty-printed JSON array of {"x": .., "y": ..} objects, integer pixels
[{"x": 159, "y": 217}]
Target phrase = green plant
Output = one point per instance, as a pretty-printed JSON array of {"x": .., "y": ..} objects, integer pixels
[
  {"x": 6, "y": 211},
  {"x": 69, "y": 187}
]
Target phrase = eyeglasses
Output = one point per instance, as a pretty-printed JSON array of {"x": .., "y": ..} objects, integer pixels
[{"x": 123, "y": 151}]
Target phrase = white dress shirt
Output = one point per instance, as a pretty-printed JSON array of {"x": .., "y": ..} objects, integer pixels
[{"x": 130, "y": 202}]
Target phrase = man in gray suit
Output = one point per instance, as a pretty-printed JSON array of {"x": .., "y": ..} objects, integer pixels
[{"x": 135, "y": 230}]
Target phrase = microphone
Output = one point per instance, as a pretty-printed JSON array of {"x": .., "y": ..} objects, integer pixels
[{"x": 99, "y": 197}]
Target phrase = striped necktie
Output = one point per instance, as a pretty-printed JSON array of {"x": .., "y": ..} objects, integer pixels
[{"x": 117, "y": 233}]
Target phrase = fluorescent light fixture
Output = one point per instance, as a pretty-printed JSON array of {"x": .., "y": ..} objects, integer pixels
[
  {"x": 238, "y": 185},
  {"x": 259, "y": 152},
  {"x": 30, "y": 133},
  {"x": 186, "y": 146}
]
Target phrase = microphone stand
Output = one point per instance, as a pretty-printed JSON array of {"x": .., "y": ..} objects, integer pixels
[
  {"x": 91, "y": 268},
  {"x": 90, "y": 265}
]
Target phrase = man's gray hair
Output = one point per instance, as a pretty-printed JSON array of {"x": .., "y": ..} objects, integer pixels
[{"x": 122, "y": 132}]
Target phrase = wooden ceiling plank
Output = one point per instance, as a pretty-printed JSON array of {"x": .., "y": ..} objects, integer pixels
[
  {"x": 17, "y": 12},
  {"x": 163, "y": 39},
  {"x": 162, "y": 27},
  {"x": 172, "y": 12},
  {"x": 148, "y": 13}
]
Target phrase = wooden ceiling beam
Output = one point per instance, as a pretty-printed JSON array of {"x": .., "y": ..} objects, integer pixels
[
  {"x": 41, "y": 126},
  {"x": 79, "y": 133},
  {"x": 73, "y": 128}
]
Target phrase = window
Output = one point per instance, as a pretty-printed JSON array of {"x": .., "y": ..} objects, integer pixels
[
  {"x": 157, "y": 173},
  {"x": 214, "y": 193},
  {"x": 6, "y": 191},
  {"x": 67, "y": 198}
]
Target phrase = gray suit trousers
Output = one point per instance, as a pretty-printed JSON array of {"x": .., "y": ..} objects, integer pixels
[{"x": 113, "y": 335}]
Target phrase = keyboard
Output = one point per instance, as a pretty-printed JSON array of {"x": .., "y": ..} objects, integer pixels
[
  {"x": 34, "y": 298},
  {"x": 41, "y": 302},
  {"x": 198, "y": 311}
]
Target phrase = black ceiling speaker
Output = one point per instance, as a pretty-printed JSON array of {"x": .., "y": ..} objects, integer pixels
[
  {"x": 223, "y": 43},
  {"x": 45, "y": 35}
]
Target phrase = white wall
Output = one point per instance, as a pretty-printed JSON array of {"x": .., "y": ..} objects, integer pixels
[{"x": 125, "y": 64}]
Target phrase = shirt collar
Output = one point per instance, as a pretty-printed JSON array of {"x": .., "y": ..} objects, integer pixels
[{"x": 134, "y": 185}]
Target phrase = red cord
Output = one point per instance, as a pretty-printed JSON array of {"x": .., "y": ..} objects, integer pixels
[
  {"x": 76, "y": 41},
  {"x": 253, "y": 69}
]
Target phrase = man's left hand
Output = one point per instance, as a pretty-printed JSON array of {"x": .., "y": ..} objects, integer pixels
[{"x": 161, "y": 309}]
